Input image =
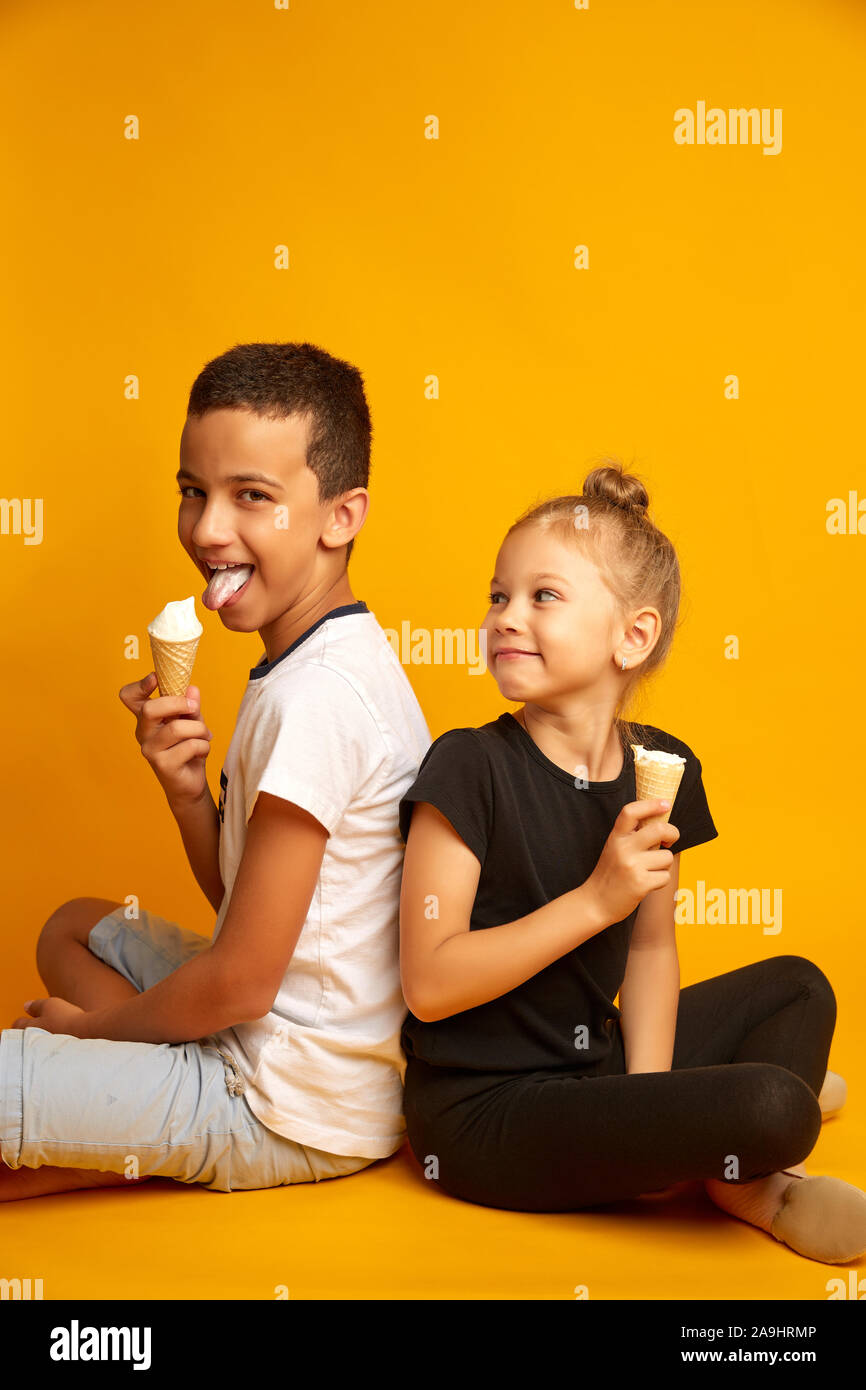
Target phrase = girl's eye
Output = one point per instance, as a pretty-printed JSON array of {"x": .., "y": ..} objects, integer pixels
[
  {"x": 182, "y": 491},
  {"x": 494, "y": 597}
]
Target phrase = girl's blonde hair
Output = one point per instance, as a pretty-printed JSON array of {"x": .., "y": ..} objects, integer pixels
[{"x": 610, "y": 525}]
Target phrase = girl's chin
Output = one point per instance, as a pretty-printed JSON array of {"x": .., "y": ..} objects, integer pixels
[{"x": 513, "y": 690}]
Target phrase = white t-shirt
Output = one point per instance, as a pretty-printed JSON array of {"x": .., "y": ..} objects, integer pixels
[{"x": 332, "y": 725}]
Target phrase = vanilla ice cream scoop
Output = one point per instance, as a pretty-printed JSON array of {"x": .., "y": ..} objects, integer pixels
[
  {"x": 653, "y": 755},
  {"x": 177, "y": 622},
  {"x": 174, "y": 638}
]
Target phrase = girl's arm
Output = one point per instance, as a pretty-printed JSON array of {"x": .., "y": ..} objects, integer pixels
[
  {"x": 650, "y": 991},
  {"x": 446, "y": 968}
]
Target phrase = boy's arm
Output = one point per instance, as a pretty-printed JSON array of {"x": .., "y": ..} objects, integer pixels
[
  {"x": 650, "y": 991},
  {"x": 239, "y": 976},
  {"x": 199, "y": 826}
]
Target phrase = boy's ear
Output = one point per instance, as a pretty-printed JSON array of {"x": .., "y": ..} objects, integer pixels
[{"x": 346, "y": 517}]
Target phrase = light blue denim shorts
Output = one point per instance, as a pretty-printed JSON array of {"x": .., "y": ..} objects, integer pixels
[{"x": 173, "y": 1110}]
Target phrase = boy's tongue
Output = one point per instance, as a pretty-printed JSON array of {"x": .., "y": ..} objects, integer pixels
[{"x": 224, "y": 583}]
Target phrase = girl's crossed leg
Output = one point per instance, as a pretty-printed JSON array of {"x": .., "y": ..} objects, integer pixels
[{"x": 739, "y": 1103}]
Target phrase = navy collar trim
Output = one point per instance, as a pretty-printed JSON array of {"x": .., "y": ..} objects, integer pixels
[{"x": 265, "y": 667}]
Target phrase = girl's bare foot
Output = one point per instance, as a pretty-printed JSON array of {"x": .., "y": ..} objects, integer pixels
[
  {"x": 757, "y": 1202},
  {"x": 820, "y": 1217},
  {"x": 824, "y": 1219},
  {"x": 832, "y": 1095},
  {"x": 661, "y": 1194}
]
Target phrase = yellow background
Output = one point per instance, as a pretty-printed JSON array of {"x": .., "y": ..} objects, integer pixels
[{"x": 454, "y": 257}]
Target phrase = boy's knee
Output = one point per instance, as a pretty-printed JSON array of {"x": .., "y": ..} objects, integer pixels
[{"x": 75, "y": 919}]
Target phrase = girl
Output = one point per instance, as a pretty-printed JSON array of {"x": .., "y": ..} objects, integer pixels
[{"x": 535, "y": 887}]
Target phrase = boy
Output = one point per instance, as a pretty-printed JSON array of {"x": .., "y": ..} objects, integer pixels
[{"x": 271, "y": 1053}]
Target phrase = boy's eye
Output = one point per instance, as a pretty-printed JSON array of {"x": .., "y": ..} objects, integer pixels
[{"x": 182, "y": 491}]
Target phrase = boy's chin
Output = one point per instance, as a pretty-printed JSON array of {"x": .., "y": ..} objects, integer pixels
[{"x": 238, "y": 622}]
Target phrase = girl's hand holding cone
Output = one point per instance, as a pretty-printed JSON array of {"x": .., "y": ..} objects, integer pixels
[
  {"x": 657, "y": 776},
  {"x": 632, "y": 862}
]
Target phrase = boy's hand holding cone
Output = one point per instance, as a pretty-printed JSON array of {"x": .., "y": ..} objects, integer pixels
[{"x": 173, "y": 737}]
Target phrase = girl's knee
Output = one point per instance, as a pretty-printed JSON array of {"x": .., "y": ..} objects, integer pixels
[
  {"x": 811, "y": 975},
  {"x": 790, "y": 1110},
  {"x": 774, "y": 1121}
]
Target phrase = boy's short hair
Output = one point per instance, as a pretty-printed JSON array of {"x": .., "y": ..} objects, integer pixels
[{"x": 277, "y": 380}]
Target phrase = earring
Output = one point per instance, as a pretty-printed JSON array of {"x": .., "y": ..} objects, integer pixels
[{"x": 623, "y": 663}]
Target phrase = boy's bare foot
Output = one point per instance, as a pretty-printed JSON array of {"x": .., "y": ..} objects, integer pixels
[{"x": 16, "y": 1183}]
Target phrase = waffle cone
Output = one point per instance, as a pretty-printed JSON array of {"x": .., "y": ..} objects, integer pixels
[
  {"x": 654, "y": 779},
  {"x": 173, "y": 663}
]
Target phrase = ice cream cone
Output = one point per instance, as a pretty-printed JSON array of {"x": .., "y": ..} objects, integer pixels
[
  {"x": 173, "y": 663},
  {"x": 656, "y": 779},
  {"x": 174, "y": 637}
]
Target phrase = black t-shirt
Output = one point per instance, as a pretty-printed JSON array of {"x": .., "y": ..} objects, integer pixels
[{"x": 537, "y": 834}]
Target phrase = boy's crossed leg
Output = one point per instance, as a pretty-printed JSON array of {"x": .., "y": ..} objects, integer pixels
[
  {"x": 69, "y": 970},
  {"x": 17, "y": 1183},
  {"x": 67, "y": 966}
]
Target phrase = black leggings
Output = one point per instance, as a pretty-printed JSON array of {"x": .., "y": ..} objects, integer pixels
[{"x": 739, "y": 1103}]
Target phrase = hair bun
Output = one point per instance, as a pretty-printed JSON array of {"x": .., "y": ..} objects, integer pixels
[{"x": 612, "y": 485}]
